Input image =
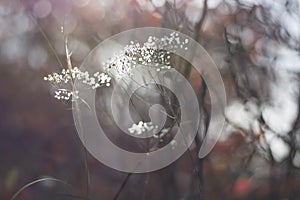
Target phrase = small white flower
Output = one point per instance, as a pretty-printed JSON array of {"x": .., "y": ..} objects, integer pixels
[
  {"x": 154, "y": 52},
  {"x": 98, "y": 79},
  {"x": 173, "y": 143},
  {"x": 151, "y": 53},
  {"x": 141, "y": 127}
]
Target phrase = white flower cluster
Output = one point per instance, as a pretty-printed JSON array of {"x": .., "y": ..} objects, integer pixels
[
  {"x": 64, "y": 94},
  {"x": 162, "y": 133},
  {"x": 142, "y": 127},
  {"x": 99, "y": 80},
  {"x": 96, "y": 80},
  {"x": 173, "y": 144},
  {"x": 155, "y": 52}
]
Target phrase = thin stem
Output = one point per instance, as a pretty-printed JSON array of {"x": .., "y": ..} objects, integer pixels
[
  {"x": 196, "y": 35},
  {"x": 122, "y": 186},
  {"x": 34, "y": 20},
  {"x": 36, "y": 182},
  {"x": 70, "y": 67}
]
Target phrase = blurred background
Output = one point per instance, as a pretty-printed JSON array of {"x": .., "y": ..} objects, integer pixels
[{"x": 255, "y": 44}]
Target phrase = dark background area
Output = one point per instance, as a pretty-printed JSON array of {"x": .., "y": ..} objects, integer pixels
[{"x": 254, "y": 44}]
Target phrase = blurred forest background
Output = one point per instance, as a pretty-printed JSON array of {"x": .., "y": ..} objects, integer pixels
[{"x": 255, "y": 44}]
